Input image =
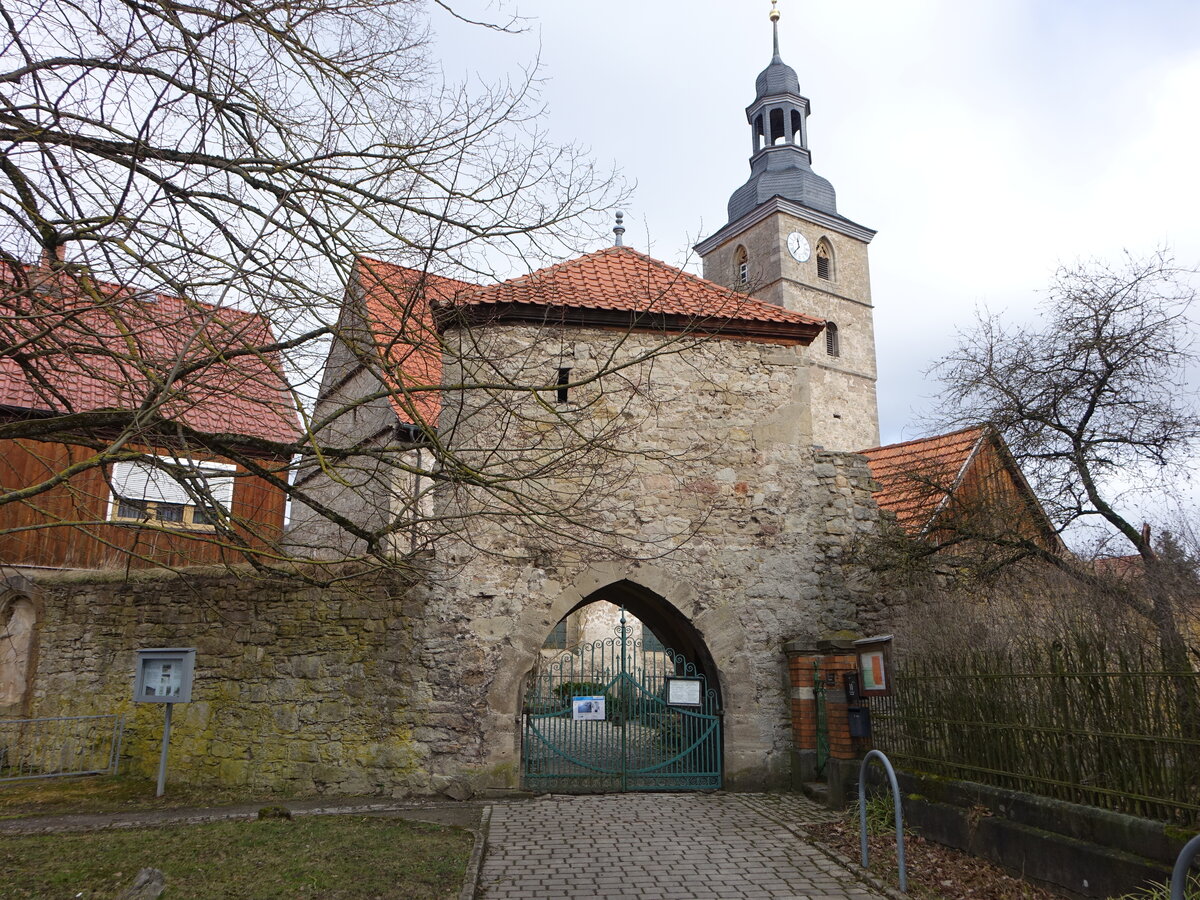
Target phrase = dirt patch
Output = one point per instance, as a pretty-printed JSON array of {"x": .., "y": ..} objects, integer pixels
[{"x": 935, "y": 872}]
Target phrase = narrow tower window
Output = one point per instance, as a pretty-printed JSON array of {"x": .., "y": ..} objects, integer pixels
[
  {"x": 564, "y": 378},
  {"x": 824, "y": 260},
  {"x": 741, "y": 263},
  {"x": 797, "y": 128},
  {"x": 833, "y": 344}
]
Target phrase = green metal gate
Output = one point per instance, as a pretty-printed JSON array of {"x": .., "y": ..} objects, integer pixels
[{"x": 610, "y": 715}]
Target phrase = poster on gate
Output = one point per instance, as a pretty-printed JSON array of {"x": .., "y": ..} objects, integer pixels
[{"x": 587, "y": 709}]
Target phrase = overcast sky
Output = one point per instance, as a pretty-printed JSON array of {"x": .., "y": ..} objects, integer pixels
[{"x": 986, "y": 141}]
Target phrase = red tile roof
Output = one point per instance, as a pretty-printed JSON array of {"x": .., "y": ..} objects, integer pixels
[
  {"x": 916, "y": 477},
  {"x": 397, "y": 307},
  {"x": 614, "y": 287},
  {"x": 620, "y": 279},
  {"x": 90, "y": 353}
]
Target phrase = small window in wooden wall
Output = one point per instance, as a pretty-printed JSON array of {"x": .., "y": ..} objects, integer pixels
[{"x": 144, "y": 493}]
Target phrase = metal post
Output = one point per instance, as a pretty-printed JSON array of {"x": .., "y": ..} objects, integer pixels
[
  {"x": 1179, "y": 876},
  {"x": 162, "y": 757},
  {"x": 862, "y": 812},
  {"x": 622, "y": 693}
]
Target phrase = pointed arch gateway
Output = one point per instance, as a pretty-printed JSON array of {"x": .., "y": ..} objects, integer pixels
[{"x": 637, "y": 709}]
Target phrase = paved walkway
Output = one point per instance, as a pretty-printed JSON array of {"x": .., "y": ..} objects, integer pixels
[{"x": 718, "y": 846}]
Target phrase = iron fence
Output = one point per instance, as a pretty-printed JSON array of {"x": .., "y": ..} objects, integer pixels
[
  {"x": 59, "y": 746},
  {"x": 1124, "y": 738}
]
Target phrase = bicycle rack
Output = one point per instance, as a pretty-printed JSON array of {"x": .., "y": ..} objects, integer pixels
[
  {"x": 891, "y": 774},
  {"x": 1179, "y": 876}
]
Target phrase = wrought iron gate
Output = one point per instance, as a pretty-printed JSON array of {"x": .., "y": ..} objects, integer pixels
[{"x": 610, "y": 715}]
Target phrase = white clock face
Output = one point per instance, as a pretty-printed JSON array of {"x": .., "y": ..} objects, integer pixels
[{"x": 798, "y": 247}]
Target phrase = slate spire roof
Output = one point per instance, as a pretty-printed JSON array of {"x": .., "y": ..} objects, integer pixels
[{"x": 782, "y": 164}]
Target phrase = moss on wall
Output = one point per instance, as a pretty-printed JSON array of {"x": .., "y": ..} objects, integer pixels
[{"x": 296, "y": 688}]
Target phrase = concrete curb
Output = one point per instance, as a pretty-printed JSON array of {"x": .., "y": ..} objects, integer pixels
[
  {"x": 475, "y": 864},
  {"x": 106, "y": 821}
]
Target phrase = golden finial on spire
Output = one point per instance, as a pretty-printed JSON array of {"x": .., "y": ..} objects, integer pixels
[{"x": 774, "y": 10}]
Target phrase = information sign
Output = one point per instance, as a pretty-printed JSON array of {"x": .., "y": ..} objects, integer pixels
[
  {"x": 164, "y": 675},
  {"x": 874, "y": 665},
  {"x": 588, "y": 709},
  {"x": 683, "y": 691}
]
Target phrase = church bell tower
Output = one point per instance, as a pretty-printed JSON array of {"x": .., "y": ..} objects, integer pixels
[{"x": 785, "y": 243}]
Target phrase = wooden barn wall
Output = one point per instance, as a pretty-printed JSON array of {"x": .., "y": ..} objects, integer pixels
[
  {"x": 991, "y": 490},
  {"x": 65, "y": 525}
]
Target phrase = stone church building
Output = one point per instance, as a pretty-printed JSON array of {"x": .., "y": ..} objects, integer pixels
[
  {"x": 677, "y": 447},
  {"x": 607, "y": 430}
]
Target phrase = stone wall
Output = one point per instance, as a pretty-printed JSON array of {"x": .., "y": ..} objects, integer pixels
[{"x": 297, "y": 689}]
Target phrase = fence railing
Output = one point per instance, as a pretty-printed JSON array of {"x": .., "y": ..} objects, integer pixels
[
  {"x": 1126, "y": 739},
  {"x": 59, "y": 746}
]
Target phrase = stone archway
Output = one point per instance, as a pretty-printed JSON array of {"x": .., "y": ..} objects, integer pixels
[
  {"x": 18, "y": 622},
  {"x": 619, "y": 712}
]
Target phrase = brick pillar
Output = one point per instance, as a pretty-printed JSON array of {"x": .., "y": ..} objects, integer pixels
[{"x": 828, "y": 660}]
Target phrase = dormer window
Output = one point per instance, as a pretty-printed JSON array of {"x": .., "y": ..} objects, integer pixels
[
  {"x": 143, "y": 493},
  {"x": 833, "y": 345},
  {"x": 824, "y": 260},
  {"x": 741, "y": 265}
]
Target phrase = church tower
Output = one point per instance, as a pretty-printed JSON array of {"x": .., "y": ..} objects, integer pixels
[{"x": 785, "y": 243}]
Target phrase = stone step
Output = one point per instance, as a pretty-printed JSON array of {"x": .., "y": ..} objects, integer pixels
[{"x": 816, "y": 790}]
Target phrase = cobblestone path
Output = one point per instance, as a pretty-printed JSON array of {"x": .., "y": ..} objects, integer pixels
[{"x": 722, "y": 846}]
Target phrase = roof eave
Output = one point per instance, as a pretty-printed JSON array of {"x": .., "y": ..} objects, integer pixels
[{"x": 791, "y": 333}]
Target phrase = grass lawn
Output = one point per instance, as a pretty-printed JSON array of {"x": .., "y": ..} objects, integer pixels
[
  {"x": 335, "y": 857},
  {"x": 113, "y": 793}
]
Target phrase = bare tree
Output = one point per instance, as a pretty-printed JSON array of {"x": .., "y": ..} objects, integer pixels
[
  {"x": 1097, "y": 408},
  {"x": 211, "y": 172}
]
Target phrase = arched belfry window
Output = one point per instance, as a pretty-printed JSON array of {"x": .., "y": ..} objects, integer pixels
[
  {"x": 778, "y": 129},
  {"x": 833, "y": 342},
  {"x": 825, "y": 268},
  {"x": 741, "y": 265}
]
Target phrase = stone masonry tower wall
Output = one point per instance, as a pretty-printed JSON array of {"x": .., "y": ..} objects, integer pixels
[
  {"x": 708, "y": 496},
  {"x": 786, "y": 243}
]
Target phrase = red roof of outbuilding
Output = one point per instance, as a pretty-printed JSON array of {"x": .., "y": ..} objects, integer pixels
[
  {"x": 916, "y": 477},
  {"x": 107, "y": 348},
  {"x": 615, "y": 287}
]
